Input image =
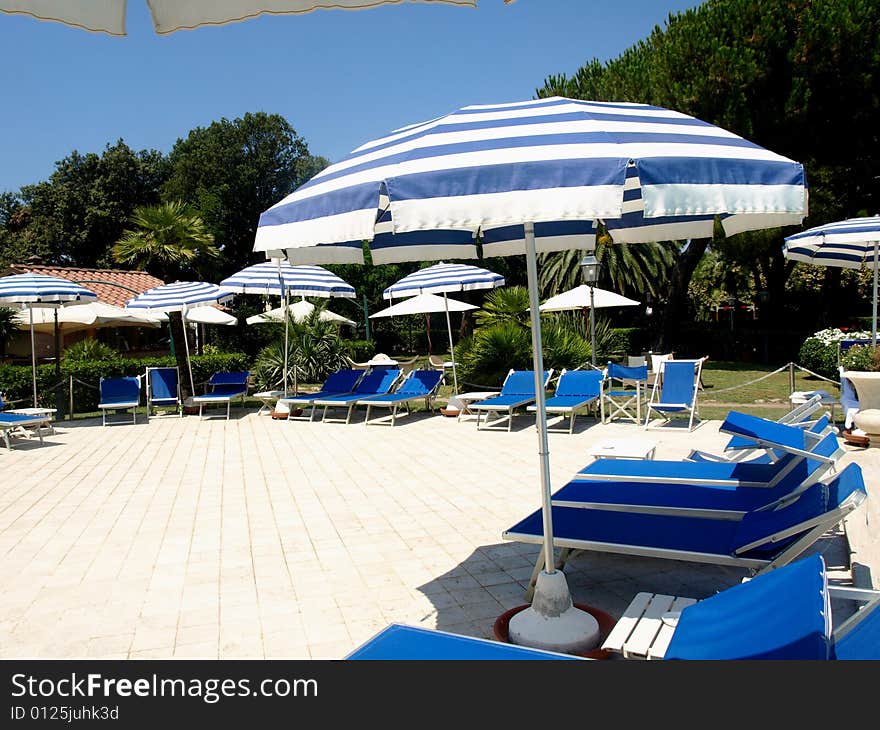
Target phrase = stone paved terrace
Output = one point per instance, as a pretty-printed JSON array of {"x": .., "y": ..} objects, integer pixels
[{"x": 258, "y": 538}]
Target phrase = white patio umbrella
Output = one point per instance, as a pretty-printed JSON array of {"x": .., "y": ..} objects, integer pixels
[
  {"x": 440, "y": 279},
  {"x": 299, "y": 311},
  {"x": 183, "y": 297},
  {"x": 848, "y": 244},
  {"x": 278, "y": 277},
  {"x": 108, "y": 16},
  {"x": 535, "y": 176},
  {"x": 84, "y": 316},
  {"x": 39, "y": 290}
]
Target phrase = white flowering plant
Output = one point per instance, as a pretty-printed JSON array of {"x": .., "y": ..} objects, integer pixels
[{"x": 820, "y": 350}]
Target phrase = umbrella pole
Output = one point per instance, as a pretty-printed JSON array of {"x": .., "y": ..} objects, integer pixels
[
  {"x": 451, "y": 347},
  {"x": 33, "y": 356},
  {"x": 192, "y": 385},
  {"x": 286, "y": 329},
  {"x": 592, "y": 328},
  {"x": 551, "y": 622},
  {"x": 874, "y": 321}
]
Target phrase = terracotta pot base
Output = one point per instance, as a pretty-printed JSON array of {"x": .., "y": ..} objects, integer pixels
[{"x": 606, "y": 623}]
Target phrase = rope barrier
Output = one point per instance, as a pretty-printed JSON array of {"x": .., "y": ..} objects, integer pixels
[
  {"x": 752, "y": 382},
  {"x": 815, "y": 375}
]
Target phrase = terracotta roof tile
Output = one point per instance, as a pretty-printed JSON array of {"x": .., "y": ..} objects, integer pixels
[{"x": 113, "y": 286}]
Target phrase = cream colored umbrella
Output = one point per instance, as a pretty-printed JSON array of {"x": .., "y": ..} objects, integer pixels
[
  {"x": 83, "y": 316},
  {"x": 299, "y": 310}
]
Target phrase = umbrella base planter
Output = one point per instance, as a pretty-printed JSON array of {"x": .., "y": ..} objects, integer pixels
[{"x": 501, "y": 628}]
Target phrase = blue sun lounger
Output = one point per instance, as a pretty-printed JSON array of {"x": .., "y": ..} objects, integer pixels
[
  {"x": 576, "y": 390},
  {"x": 783, "y": 614},
  {"x": 419, "y": 385},
  {"x": 761, "y": 541},
  {"x": 677, "y": 392},
  {"x": 163, "y": 389},
  {"x": 375, "y": 382},
  {"x": 224, "y": 388},
  {"x": 517, "y": 391},
  {"x": 398, "y": 641},
  {"x": 796, "y": 444},
  {"x": 724, "y": 502},
  {"x": 119, "y": 394},
  {"x": 10, "y": 423},
  {"x": 338, "y": 383}
]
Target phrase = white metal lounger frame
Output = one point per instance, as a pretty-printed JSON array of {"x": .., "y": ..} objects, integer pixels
[
  {"x": 23, "y": 425},
  {"x": 617, "y": 406},
  {"x": 429, "y": 404},
  {"x": 350, "y": 404},
  {"x": 812, "y": 530},
  {"x": 692, "y": 406},
  {"x": 476, "y": 407}
]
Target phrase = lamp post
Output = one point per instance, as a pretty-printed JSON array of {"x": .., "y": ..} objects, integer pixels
[{"x": 590, "y": 271}]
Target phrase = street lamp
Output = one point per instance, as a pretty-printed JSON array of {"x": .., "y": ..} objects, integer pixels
[{"x": 590, "y": 271}]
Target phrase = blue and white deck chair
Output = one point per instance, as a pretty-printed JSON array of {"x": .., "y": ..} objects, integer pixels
[
  {"x": 675, "y": 391},
  {"x": 339, "y": 383},
  {"x": 517, "y": 391},
  {"x": 783, "y": 614},
  {"x": 375, "y": 382},
  {"x": 761, "y": 541},
  {"x": 119, "y": 394},
  {"x": 224, "y": 388},
  {"x": 575, "y": 390},
  {"x": 398, "y": 641},
  {"x": 796, "y": 444},
  {"x": 12, "y": 423},
  {"x": 418, "y": 385},
  {"x": 710, "y": 500},
  {"x": 619, "y": 401},
  {"x": 163, "y": 389}
]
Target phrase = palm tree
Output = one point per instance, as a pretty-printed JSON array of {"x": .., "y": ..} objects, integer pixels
[
  {"x": 7, "y": 328},
  {"x": 168, "y": 240},
  {"x": 507, "y": 304}
]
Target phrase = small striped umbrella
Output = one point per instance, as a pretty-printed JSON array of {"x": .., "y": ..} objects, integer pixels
[
  {"x": 279, "y": 278},
  {"x": 848, "y": 244},
  {"x": 39, "y": 290},
  {"x": 181, "y": 296},
  {"x": 440, "y": 279},
  {"x": 432, "y": 190}
]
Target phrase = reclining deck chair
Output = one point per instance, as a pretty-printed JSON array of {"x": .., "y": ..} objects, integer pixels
[
  {"x": 375, "y": 382},
  {"x": 675, "y": 391},
  {"x": 576, "y": 390},
  {"x": 619, "y": 401},
  {"x": 517, "y": 391},
  {"x": 339, "y": 383},
  {"x": 418, "y": 385},
  {"x": 119, "y": 394},
  {"x": 713, "y": 501},
  {"x": 163, "y": 389},
  {"x": 761, "y": 541},
  {"x": 224, "y": 387},
  {"x": 796, "y": 444},
  {"x": 20, "y": 424},
  {"x": 783, "y": 614}
]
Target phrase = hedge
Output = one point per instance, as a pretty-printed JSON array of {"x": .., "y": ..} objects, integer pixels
[
  {"x": 16, "y": 380},
  {"x": 625, "y": 340}
]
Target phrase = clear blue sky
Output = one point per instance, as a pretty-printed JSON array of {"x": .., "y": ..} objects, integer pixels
[{"x": 339, "y": 77}]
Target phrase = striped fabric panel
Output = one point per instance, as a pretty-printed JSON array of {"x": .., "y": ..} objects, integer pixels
[
  {"x": 265, "y": 278},
  {"x": 41, "y": 289},
  {"x": 444, "y": 278},
  {"x": 545, "y": 160},
  {"x": 179, "y": 296},
  {"x": 846, "y": 244}
]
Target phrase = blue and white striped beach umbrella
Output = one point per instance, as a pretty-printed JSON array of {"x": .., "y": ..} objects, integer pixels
[
  {"x": 39, "y": 290},
  {"x": 180, "y": 296},
  {"x": 280, "y": 278},
  {"x": 848, "y": 244},
  {"x": 432, "y": 190},
  {"x": 440, "y": 279}
]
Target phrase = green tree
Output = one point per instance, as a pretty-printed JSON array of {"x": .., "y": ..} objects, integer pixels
[
  {"x": 167, "y": 239},
  {"x": 509, "y": 304},
  {"x": 7, "y": 328},
  {"x": 234, "y": 170}
]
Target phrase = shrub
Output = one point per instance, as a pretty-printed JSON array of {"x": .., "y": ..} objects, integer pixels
[
  {"x": 819, "y": 352},
  {"x": 624, "y": 341},
  {"x": 89, "y": 349},
  {"x": 360, "y": 350},
  {"x": 861, "y": 357}
]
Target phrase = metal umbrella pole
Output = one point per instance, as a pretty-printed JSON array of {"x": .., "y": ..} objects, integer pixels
[
  {"x": 192, "y": 385},
  {"x": 874, "y": 321},
  {"x": 451, "y": 346},
  {"x": 592, "y": 328},
  {"x": 33, "y": 356}
]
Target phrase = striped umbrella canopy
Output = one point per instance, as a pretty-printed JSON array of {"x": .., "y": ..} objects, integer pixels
[
  {"x": 433, "y": 190},
  {"x": 181, "y": 296},
  {"x": 280, "y": 278},
  {"x": 440, "y": 279},
  {"x": 40, "y": 290},
  {"x": 849, "y": 244}
]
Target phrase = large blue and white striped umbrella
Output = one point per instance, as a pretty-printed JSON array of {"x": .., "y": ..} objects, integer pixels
[
  {"x": 179, "y": 296},
  {"x": 648, "y": 173},
  {"x": 431, "y": 191},
  {"x": 39, "y": 290},
  {"x": 848, "y": 244},
  {"x": 274, "y": 278}
]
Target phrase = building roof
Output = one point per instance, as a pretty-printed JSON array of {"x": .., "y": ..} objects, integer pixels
[{"x": 113, "y": 286}]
